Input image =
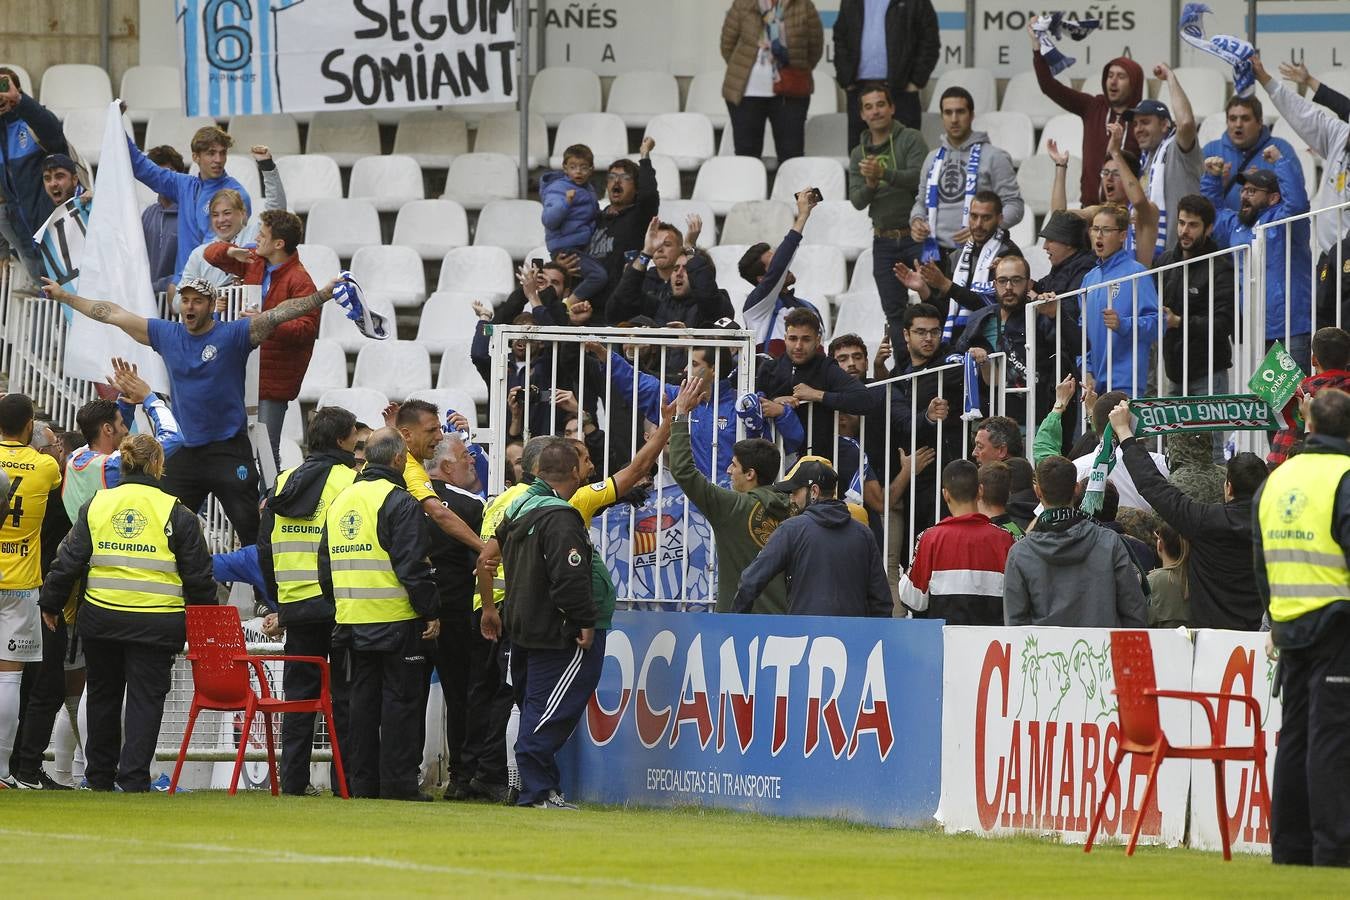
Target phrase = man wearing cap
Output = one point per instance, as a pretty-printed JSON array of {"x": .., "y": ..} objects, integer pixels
[
  {"x": 1269, "y": 195},
  {"x": 1170, "y": 161},
  {"x": 1065, "y": 241},
  {"x": 206, "y": 361},
  {"x": 61, "y": 178},
  {"x": 830, "y": 560}
]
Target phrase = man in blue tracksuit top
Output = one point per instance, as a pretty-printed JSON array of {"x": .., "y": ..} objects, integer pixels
[
  {"x": 1121, "y": 320},
  {"x": 1241, "y": 146},
  {"x": 652, "y": 394},
  {"x": 29, "y": 132},
  {"x": 1269, "y": 195},
  {"x": 210, "y": 146}
]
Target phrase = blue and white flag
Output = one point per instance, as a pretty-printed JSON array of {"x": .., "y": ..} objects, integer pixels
[
  {"x": 1234, "y": 51},
  {"x": 749, "y": 411},
  {"x": 348, "y": 294},
  {"x": 972, "y": 411}
]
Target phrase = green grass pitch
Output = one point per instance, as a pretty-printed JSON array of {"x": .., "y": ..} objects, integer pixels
[{"x": 254, "y": 845}]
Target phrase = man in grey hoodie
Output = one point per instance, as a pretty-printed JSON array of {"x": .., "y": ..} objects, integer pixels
[
  {"x": 1068, "y": 570},
  {"x": 948, "y": 168},
  {"x": 832, "y": 562}
]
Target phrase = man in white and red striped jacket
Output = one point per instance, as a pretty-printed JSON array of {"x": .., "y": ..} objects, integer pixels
[{"x": 957, "y": 572}]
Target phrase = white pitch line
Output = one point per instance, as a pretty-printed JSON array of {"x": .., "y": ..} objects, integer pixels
[{"x": 286, "y": 856}]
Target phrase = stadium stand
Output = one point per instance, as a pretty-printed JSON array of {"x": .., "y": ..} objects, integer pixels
[
  {"x": 394, "y": 273},
  {"x": 344, "y": 136},
  {"x": 1065, "y": 129},
  {"x": 750, "y": 220},
  {"x": 148, "y": 90},
  {"x": 446, "y": 316},
  {"x": 726, "y": 180},
  {"x": 798, "y": 174},
  {"x": 475, "y": 179},
  {"x": 827, "y": 136},
  {"x": 434, "y": 137},
  {"x": 367, "y": 404},
  {"x": 279, "y": 131},
  {"x": 705, "y": 96},
  {"x": 431, "y": 227},
  {"x": 169, "y": 126},
  {"x": 500, "y": 133},
  {"x": 637, "y": 96},
  {"x": 387, "y": 181},
  {"x": 1011, "y": 130},
  {"x": 309, "y": 178},
  {"x": 343, "y": 225},
  {"x": 1022, "y": 94},
  {"x": 327, "y": 371},
  {"x": 605, "y": 133},
  {"x": 837, "y": 223},
  {"x": 67, "y": 86},
  {"x": 483, "y": 270},
  {"x": 394, "y": 368},
  {"x": 687, "y": 138},
  {"x": 980, "y": 83},
  {"x": 559, "y": 91},
  {"x": 1205, "y": 88},
  {"x": 676, "y": 212},
  {"x": 513, "y": 225},
  {"x": 334, "y": 324}
]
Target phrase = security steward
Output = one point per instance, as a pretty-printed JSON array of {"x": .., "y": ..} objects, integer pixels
[
  {"x": 550, "y": 614},
  {"x": 373, "y": 565},
  {"x": 1302, "y": 549},
  {"x": 288, "y": 553},
  {"x": 145, "y": 557}
]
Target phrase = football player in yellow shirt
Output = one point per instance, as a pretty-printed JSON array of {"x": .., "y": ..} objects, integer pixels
[
  {"x": 32, "y": 477},
  {"x": 420, "y": 424}
]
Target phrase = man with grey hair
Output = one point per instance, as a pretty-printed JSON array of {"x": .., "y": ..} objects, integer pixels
[
  {"x": 996, "y": 439},
  {"x": 373, "y": 566}
]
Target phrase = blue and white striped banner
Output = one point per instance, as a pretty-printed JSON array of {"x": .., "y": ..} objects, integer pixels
[{"x": 268, "y": 56}]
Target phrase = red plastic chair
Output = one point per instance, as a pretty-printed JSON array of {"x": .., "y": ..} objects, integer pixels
[
  {"x": 1141, "y": 732},
  {"x": 220, "y": 681}
]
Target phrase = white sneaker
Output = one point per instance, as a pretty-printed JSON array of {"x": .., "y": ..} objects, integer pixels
[
  {"x": 555, "y": 801},
  {"x": 10, "y": 783}
]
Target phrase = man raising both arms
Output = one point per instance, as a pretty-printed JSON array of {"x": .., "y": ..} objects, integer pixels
[{"x": 206, "y": 362}]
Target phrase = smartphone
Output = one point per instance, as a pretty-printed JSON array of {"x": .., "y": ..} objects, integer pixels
[
  {"x": 4, "y": 84},
  {"x": 816, "y": 195},
  {"x": 537, "y": 262}
]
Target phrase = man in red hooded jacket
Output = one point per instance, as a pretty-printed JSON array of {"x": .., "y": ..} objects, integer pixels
[
  {"x": 276, "y": 266},
  {"x": 1122, "y": 89}
]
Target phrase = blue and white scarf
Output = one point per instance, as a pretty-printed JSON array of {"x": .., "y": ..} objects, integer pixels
[
  {"x": 979, "y": 279},
  {"x": 750, "y": 412},
  {"x": 1051, "y": 28},
  {"x": 931, "y": 251},
  {"x": 1234, "y": 51},
  {"x": 349, "y": 295},
  {"x": 972, "y": 412},
  {"x": 1155, "y": 164}
]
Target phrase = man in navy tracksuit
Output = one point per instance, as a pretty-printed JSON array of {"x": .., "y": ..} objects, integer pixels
[
  {"x": 29, "y": 132},
  {"x": 559, "y": 600}
]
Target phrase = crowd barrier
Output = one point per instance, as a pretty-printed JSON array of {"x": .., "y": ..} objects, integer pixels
[{"x": 905, "y": 722}]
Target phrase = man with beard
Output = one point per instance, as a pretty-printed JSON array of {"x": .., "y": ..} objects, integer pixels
[
  {"x": 1003, "y": 329},
  {"x": 1169, "y": 154},
  {"x": 1121, "y": 318},
  {"x": 686, "y": 301},
  {"x": 662, "y": 247},
  {"x": 1269, "y": 195},
  {"x": 1242, "y": 144},
  {"x": 1198, "y": 301},
  {"x": 971, "y": 284},
  {"x": 633, "y": 200}
]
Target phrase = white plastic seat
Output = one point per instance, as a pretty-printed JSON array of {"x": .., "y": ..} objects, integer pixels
[
  {"x": 667, "y": 176},
  {"x": 293, "y": 426},
  {"x": 980, "y": 83},
  {"x": 825, "y": 93},
  {"x": 727, "y": 146},
  {"x": 827, "y": 136},
  {"x": 344, "y": 225},
  {"x": 431, "y": 227},
  {"x": 559, "y": 91},
  {"x": 447, "y": 316},
  {"x": 637, "y": 96},
  {"x": 1023, "y": 234},
  {"x": 500, "y": 133},
  {"x": 724, "y": 181},
  {"x": 1206, "y": 89},
  {"x": 394, "y": 368},
  {"x": 514, "y": 225},
  {"x": 150, "y": 89},
  {"x": 344, "y": 135},
  {"x": 1037, "y": 175},
  {"x": 321, "y": 262},
  {"x": 1213, "y": 127},
  {"x": 168, "y": 126},
  {"x": 242, "y": 169},
  {"x": 308, "y": 179},
  {"x": 290, "y": 453},
  {"x": 485, "y": 271},
  {"x": 687, "y": 138},
  {"x": 726, "y": 258},
  {"x": 804, "y": 172},
  {"x": 837, "y": 223},
  {"x": 476, "y": 179},
  {"x": 457, "y": 372},
  {"x": 84, "y": 131},
  {"x": 387, "y": 181},
  {"x": 367, "y": 404},
  {"x": 445, "y": 399},
  {"x": 279, "y": 132},
  {"x": 1011, "y": 131},
  {"x": 335, "y": 326},
  {"x": 1067, "y": 131},
  {"x": 74, "y": 86},
  {"x": 826, "y": 314},
  {"x": 433, "y": 137},
  {"x": 860, "y": 313},
  {"x": 604, "y": 133},
  {"x": 677, "y": 212},
  {"x": 26, "y": 83},
  {"x": 752, "y": 221},
  {"x": 821, "y": 272},
  {"x": 861, "y": 279},
  {"x": 705, "y": 96},
  {"x": 1023, "y": 94},
  {"x": 392, "y": 272},
  {"x": 327, "y": 371}
]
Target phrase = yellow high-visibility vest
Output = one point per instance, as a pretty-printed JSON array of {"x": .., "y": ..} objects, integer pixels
[
  {"x": 132, "y": 568},
  {"x": 365, "y": 588},
  {"x": 295, "y": 541},
  {"x": 1304, "y": 564}
]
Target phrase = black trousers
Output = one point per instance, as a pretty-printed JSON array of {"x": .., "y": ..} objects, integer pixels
[
  {"x": 143, "y": 672},
  {"x": 387, "y": 721},
  {"x": 46, "y": 699},
  {"x": 787, "y": 117},
  {"x": 449, "y": 653},
  {"x": 225, "y": 469},
  {"x": 1310, "y": 806},
  {"x": 489, "y": 707},
  {"x": 301, "y": 681},
  {"x": 907, "y": 111}
]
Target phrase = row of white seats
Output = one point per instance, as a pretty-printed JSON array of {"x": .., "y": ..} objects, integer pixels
[{"x": 367, "y": 404}]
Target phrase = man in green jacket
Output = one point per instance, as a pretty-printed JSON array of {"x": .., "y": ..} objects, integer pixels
[
  {"x": 741, "y": 518},
  {"x": 883, "y": 178}
]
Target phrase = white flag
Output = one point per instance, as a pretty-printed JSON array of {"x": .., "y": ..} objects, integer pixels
[{"x": 114, "y": 267}]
